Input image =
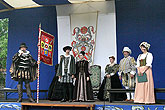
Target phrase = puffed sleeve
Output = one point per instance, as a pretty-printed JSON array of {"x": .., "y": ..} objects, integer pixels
[
  {"x": 119, "y": 73},
  {"x": 15, "y": 58},
  {"x": 149, "y": 60},
  {"x": 88, "y": 69},
  {"x": 138, "y": 63},
  {"x": 106, "y": 69},
  {"x": 133, "y": 64},
  {"x": 77, "y": 70},
  {"x": 74, "y": 65},
  {"x": 59, "y": 70}
]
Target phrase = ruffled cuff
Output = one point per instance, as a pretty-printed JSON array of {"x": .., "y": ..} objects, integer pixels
[
  {"x": 149, "y": 65},
  {"x": 133, "y": 72},
  {"x": 119, "y": 73},
  {"x": 137, "y": 66},
  {"x": 112, "y": 74}
]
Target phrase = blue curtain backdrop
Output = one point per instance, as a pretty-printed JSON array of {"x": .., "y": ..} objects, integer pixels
[
  {"x": 23, "y": 27},
  {"x": 143, "y": 20},
  {"x": 4, "y": 15}
]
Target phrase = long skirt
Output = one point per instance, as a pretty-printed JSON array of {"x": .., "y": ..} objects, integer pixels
[
  {"x": 144, "y": 92},
  {"x": 83, "y": 89},
  {"x": 115, "y": 83},
  {"x": 55, "y": 91}
]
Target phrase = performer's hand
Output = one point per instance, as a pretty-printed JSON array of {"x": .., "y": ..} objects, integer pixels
[
  {"x": 142, "y": 73},
  {"x": 108, "y": 75},
  {"x": 131, "y": 75},
  {"x": 38, "y": 62},
  {"x": 120, "y": 77},
  {"x": 38, "y": 74},
  {"x": 72, "y": 76},
  {"x": 61, "y": 57},
  {"x": 11, "y": 70},
  {"x": 38, "y": 44},
  {"x": 87, "y": 78},
  {"x": 21, "y": 52},
  {"x": 139, "y": 73}
]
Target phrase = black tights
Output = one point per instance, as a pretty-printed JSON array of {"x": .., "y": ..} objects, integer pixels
[
  {"x": 21, "y": 82},
  {"x": 67, "y": 87}
]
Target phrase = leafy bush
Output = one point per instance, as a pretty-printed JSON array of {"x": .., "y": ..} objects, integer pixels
[{"x": 3, "y": 42}]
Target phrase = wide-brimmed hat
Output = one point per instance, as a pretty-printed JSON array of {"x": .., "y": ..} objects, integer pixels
[
  {"x": 23, "y": 45},
  {"x": 67, "y": 48},
  {"x": 127, "y": 49},
  {"x": 145, "y": 44}
]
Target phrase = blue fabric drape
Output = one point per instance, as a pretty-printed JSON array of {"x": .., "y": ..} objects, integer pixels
[
  {"x": 23, "y": 27},
  {"x": 140, "y": 20}
]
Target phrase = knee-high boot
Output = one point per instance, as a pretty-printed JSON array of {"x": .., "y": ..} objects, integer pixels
[
  {"x": 20, "y": 92},
  {"x": 28, "y": 91}
]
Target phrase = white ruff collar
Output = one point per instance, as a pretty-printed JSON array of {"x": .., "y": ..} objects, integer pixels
[{"x": 25, "y": 53}]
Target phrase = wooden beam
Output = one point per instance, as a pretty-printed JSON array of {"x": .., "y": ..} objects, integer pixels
[{"x": 57, "y": 105}]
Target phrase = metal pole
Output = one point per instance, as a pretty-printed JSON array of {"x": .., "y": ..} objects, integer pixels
[{"x": 38, "y": 75}]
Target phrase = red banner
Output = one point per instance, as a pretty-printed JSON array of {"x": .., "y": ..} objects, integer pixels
[{"x": 46, "y": 47}]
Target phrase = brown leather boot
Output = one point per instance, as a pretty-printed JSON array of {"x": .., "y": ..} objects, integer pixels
[
  {"x": 28, "y": 91},
  {"x": 20, "y": 91}
]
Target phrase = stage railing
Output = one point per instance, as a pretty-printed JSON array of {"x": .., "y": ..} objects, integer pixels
[
  {"x": 6, "y": 91},
  {"x": 160, "y": 90},
  {"x": 157, "y": 90}
]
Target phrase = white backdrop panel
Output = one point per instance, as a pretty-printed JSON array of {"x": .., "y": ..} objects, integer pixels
[
  {"x": 105, "y": 40},
  {"x": 106, "y": 32},
  {"x": 64, "y": 36}
]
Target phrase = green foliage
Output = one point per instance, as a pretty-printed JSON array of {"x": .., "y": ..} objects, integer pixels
[{"x": 3, "y": 42}]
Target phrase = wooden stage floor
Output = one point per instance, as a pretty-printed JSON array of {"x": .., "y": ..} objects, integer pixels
[{"x": 97, "y": 102}]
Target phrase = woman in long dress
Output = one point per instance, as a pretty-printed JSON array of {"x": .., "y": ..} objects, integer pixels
[
  {"x": 83, "y": 88},
  {"x": 144, "y": 91},
  {"x": 111, "y": 81},
  {"x": 55, "y": 89}
]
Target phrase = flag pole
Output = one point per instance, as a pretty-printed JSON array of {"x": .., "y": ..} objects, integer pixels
[{"x": 38, "y": 75}]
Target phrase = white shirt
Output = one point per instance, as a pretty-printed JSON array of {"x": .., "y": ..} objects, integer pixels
[{"x": 149, "y": 59}]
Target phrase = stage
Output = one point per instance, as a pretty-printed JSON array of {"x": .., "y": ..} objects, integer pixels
[{"x": 97, "y": 105}]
